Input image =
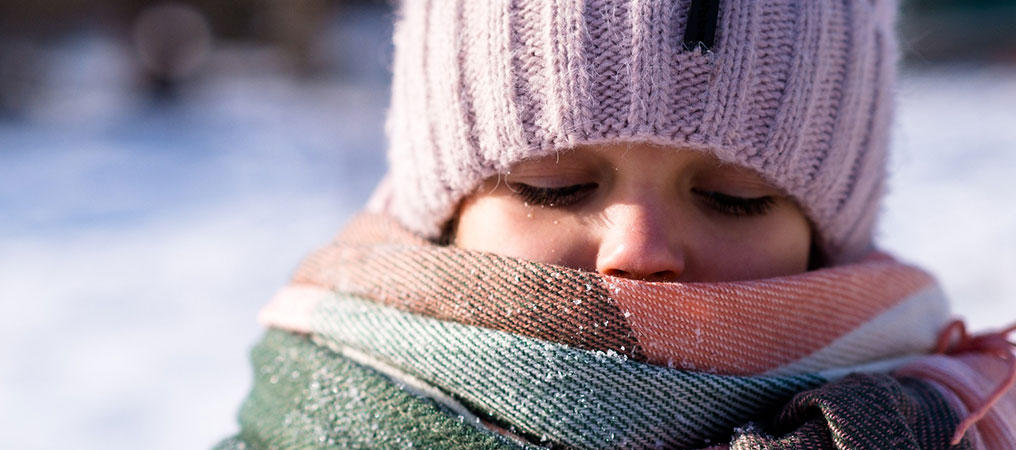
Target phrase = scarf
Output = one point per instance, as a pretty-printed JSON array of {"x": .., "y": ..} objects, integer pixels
[{"x": 385, "y": 340}]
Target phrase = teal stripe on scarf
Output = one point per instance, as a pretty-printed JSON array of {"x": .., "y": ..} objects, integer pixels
[{"x": 579, "y": 398}]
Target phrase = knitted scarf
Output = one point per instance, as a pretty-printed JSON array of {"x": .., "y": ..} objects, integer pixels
[{"x": 385, "y": 340}]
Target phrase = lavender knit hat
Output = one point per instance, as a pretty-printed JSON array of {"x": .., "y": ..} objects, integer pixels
[{"x": 799, "y": 90}]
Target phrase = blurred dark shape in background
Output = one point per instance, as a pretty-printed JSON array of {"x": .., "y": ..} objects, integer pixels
[
  {"x": 295, "y": 25},
  {"x": 20, "y": 72},
  {"x": 172, "y": 41},
  {"x": 958, "y": 31},
  {"x": 172, "y": 45}
]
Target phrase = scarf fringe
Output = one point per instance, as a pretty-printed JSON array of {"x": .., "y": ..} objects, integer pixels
[{"x": 954, "y": 340}]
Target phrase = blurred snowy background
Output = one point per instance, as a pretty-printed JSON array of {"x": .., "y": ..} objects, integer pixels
[{"x": 164, "y": 167}]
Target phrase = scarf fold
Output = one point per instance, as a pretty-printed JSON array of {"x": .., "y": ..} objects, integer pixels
[{"x": 522, "y": 353}]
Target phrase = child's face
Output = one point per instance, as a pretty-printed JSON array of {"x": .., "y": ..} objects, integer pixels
[{"x": 639, "y": 211}]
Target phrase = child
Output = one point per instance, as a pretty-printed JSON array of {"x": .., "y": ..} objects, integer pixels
[{"x": 628, "y": 224}]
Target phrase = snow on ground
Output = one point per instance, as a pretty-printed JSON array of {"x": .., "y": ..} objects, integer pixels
[{"x": 138, "y": 243}]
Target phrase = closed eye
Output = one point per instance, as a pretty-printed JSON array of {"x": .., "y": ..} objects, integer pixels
[
  {"x": 735, "y": 206},
  {"x": 559, "y": 197}
]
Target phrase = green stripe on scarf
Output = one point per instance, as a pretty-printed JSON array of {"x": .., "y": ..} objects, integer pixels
[{"x": 306, "y": 396}]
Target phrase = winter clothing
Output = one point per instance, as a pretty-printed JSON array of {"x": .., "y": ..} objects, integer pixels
[
  {"x": 398, "y": 342},
  {"x": 800, "y": 91},
  {"x": 386, "y": 339}
]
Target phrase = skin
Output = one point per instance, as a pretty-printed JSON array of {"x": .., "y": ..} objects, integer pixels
[{"x": 639, "y": 211}]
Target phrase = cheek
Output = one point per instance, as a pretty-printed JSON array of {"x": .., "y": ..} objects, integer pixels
[
  {"x": 791, "y": 241},
  {"x": 501, "y": 226},
  {"x": 779, "y": 245}
]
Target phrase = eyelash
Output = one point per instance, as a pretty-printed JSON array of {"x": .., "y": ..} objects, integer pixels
[
  {"x": 553, "y": 197},
  {"x": 569, "y": 195},
  {"x": 735, "y": 206}
]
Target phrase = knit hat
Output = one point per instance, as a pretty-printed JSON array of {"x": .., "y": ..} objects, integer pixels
[{"x": 798, "y": 90}]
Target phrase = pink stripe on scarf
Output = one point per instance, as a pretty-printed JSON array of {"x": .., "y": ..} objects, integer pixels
[{"x": 751, "y": 327}]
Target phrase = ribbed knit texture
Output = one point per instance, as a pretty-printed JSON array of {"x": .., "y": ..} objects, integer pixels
[{"x": 799, "y": 90}]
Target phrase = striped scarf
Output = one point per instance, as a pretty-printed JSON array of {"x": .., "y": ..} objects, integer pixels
[{"x": 385, "y": 340}]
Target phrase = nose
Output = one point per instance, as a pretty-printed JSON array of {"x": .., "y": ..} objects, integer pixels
[{"x": 636, "y": 243}]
